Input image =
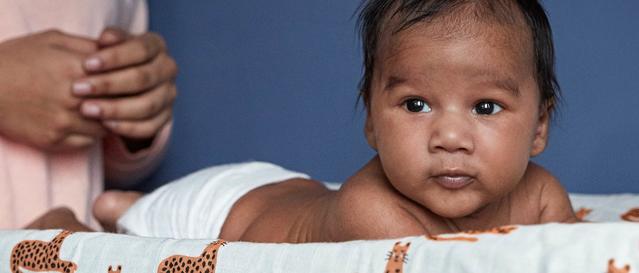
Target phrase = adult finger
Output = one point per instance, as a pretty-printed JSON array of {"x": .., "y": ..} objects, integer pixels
[
  {"x": 83, "y": 126},
  {"x": 128, "y": 81},
  {"x": 139, "y": 49},
  {"x": 73, "y": 133},
  {"x": 140, "y": 129},
  {"x": 76, "y": 141},
  {"x": 138, "y": 107},
  {"x": 71, "y": 42},
  {"x": 111, "y": 36}
]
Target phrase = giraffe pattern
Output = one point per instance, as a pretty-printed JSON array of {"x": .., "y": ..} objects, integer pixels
[
  {"x": 503, "y": 230},
  {"x": 34, "y": 255},
  {"x": 396, "y": 258},
  {"x": 582, "y": 213},
  {"x": 631, "y": 215},
  {"x": 613, "y": 269},
  {"x": 117, "y": 270},
  {"x": 205, "y": 263}
]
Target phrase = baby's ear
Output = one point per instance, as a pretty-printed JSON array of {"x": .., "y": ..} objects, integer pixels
[
  {"x": 369, "y": 131},
  {"x": 541, "y": 132}
]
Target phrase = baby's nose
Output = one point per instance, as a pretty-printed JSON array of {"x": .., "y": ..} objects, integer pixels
[{"x": 452, "y": 133}]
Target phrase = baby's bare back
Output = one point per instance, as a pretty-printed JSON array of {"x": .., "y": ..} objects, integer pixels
[{"x": 289, "y": 211}]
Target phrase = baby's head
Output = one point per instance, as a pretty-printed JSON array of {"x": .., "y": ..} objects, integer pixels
[{"x": 458, "y": 94}]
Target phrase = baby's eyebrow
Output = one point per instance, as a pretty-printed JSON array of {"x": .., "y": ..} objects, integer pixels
[
  {"x": 487, "y": 77},
  {"x": 503, "y": 82},
  {"x": 394, "y": 81}
]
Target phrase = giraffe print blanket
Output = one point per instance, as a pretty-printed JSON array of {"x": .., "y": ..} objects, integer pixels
[
  {"x": 611, "y": 247},
  {"x": 584, "y": 247}
]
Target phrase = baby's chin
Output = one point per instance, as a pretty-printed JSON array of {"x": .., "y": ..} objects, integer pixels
[{"x": 454, "y": 209}]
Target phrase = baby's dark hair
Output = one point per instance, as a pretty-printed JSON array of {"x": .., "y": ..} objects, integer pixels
[{"x": 375, "y": 15}]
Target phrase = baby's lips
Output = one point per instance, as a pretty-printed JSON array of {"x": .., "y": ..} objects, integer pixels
[{"x": 453, "y": 181}]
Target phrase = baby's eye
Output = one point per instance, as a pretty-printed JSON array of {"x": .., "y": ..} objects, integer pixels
[
  {"x": 487, "y": 108},
  {"x": 417, "y": 105}
]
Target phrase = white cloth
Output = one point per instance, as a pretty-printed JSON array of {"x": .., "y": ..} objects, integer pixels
[
  {"x": 604, "y": 207},
  {"x": 560, "y": 248},
  {"x": 196, "y": 206}
]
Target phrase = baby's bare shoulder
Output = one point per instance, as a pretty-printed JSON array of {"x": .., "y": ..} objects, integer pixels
[
  {"x": 551, "y": 197},
  {"x": 536, "y": 179},
  {"x": 543, "y": 183},
  {"x": 369, "y": 208}
]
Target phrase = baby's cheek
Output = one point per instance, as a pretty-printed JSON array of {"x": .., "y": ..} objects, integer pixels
[
  {"x": 505, "y": 160},
  {"x": 403, "y": 161},
  {"x": 509, "y": 171},
  {"x": 401, "y": 166},
  {"x": 395, "y": 147}
]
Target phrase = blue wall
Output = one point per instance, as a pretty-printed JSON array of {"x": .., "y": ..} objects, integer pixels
[{"x": 277, "y": 82}]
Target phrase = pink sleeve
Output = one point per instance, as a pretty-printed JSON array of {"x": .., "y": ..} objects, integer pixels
[
  {"x": 140, "y": 19},
  {"x": 123, "y": 168}
]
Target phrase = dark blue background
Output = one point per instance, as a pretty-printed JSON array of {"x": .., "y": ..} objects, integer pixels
[{"x": 277, "y": 81}]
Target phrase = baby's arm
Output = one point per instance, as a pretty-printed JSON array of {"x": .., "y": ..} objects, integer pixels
[{"x": 555, "y": 204}]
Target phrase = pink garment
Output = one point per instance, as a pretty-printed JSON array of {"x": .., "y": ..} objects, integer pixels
[{"x": 33, "y": 181}]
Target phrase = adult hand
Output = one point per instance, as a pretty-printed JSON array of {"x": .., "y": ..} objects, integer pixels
[
  {"x": 131, "y": 88},
  {"x": 36, "y": 105}
]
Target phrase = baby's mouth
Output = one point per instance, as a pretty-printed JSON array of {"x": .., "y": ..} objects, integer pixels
[{"x": 453, "y": 181}]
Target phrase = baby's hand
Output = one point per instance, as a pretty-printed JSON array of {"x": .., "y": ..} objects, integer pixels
[{"x": 131, "y": 88}]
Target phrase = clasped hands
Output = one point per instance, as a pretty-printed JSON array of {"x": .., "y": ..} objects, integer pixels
[{"x": 62, "y": 92}]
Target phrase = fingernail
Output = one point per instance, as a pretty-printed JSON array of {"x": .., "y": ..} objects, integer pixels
[
  {"x": 91, "y": 110},
  {"x": 110, "y": 37},
  {"x": 82, "y": 88},
  {"x": 93, "y": 64},
  {"x": 111, "y": 124}
]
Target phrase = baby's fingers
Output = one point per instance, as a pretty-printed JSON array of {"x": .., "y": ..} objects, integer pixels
[
  {"x": 140, "y": 129},
  {"x": 129, "y": 80},
  {"x": 139, "y": 107},
  {"x": 136, "y": 50}
]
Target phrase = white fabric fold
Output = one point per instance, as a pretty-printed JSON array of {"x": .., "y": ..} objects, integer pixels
[{"x": 196, "y": 205}]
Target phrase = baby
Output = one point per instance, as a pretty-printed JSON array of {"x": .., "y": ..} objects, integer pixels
[{"x": 459, "y": 96}]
